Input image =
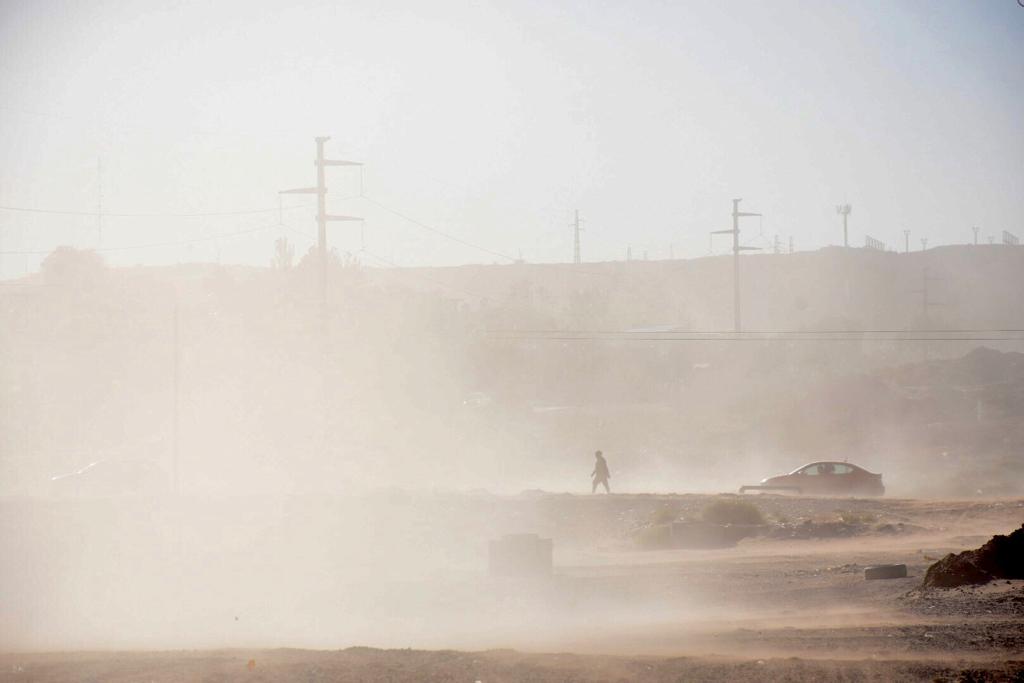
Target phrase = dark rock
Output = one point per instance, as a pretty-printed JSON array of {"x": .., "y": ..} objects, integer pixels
[
  {"x": 955, "y": 570},
  {"x": 1002, "y": 557}
]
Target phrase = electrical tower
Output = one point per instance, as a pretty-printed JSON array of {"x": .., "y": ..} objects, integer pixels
[
  {"x": 736, "y": 249},
  {"x": 845, "y": 210},
  {"x": 924, "y": 244},
  {"x": 906, "y": 241},
  {"x": 322, "y": 217},
  {"x": 576, "y": 229},
  {"x": 975, "y": 229},
  {"x": 790, "y": 244}
]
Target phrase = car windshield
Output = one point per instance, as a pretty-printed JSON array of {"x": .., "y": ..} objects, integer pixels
[{"x": 824, "y": 468}]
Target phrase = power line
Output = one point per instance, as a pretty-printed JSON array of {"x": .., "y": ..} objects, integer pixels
[
  {"x": 440, "y": 232},
  {"x": 780, "y": 332},
  {"x": 404, "y": 272},
  {"x": 155, "y": 245},
  {"x": 1011, "y": 335},
  {"x": 109, "y": 214},
  {"x": 731, "y": 337}
]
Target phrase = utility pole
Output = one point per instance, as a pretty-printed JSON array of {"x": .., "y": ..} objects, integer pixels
[
  {"x": 736, "y": 249},
  {"x": 844, "y": 210},
  {"x": 906, "y": 241},
  {"x": 99, "y": 204},
  {"x": 927, "y": 304},
  {"x": 790, "y": 244},
  {"x": 924, "y": 244},
  {"x": 176, "y": 398},
  {"x": 926, "y": 301},
  {"x": 975, "y": 229},
  {"x": 576, "y": 238},
  {"x": 629, "y": 254},
  {"x": 776, "y": 249},
  {"x": 322, "y": 217}
]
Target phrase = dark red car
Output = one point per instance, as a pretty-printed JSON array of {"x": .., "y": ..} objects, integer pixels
[{"x": 828, "y": 478}]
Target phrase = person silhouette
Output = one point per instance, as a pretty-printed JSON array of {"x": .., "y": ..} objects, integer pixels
[{"x": 600, "y": 475}]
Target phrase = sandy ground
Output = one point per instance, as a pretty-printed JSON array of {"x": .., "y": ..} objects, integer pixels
[
  {"x": 495, "y": 666},
  {"x": 767, "y": 609}
]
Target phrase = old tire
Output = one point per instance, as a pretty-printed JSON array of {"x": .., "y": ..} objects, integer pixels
[{"x": 885, "y": 571}]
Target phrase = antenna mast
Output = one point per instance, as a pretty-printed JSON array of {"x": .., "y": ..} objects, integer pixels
[{"x": 845, "y": 210}]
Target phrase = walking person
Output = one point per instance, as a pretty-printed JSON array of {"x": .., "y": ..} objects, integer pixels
[{"x": 600, "y": 475}]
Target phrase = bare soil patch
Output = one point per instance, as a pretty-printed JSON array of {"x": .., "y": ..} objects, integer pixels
[{"x": 764, "y": 609}]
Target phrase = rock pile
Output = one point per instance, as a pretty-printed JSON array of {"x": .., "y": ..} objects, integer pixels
[{"x": 1002, "y": 557}]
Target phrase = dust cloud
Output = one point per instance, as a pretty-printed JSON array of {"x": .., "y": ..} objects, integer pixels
[
  {"x": 200, "y": 456},
  {"x": 240, "y": 411}
]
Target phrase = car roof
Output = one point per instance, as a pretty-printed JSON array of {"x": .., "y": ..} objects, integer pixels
[{"x": 828, "y": 462}]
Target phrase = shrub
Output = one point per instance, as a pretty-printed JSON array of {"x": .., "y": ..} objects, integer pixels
[
  {"x": 654, "y": 537},
  {"x": 851, "y": 517},
  {"x": 732, "y": 512},
  {"x": 665, "y": 515}
]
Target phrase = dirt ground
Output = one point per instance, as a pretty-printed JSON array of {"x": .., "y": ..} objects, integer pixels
[
  {"x": 493, "y": 666},
  {"x": 771, "y": 608}
]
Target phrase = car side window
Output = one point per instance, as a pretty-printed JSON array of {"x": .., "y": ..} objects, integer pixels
[
  {"x": 810, "y": 469},
  {"x": 844, "y": 469}
]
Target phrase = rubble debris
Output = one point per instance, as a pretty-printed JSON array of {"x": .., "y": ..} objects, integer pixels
[{"x": 812, "y": 529}]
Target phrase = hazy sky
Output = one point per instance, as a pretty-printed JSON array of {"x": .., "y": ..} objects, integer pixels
[{"x": 493, "y": 121}]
